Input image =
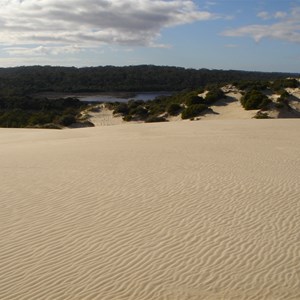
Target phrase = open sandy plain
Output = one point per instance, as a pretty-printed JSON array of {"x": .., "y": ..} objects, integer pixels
[{"x": 183, "y": 210}]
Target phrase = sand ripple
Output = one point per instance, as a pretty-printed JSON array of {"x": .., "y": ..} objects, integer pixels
[{"x": 189, "y": 210}]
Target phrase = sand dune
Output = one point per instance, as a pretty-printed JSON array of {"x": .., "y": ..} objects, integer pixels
[
  {"x": 229, "y": 109},
  {"x": 183, "y": 210},
  {"x": 104, "y": 117}
]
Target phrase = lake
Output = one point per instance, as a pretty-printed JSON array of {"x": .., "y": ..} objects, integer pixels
[
  {"x": 123, "y": 97},
  {"x": 108, "y": 97}
]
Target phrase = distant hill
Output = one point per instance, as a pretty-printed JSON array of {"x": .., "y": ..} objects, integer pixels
[{"x": 35, "y": 79}]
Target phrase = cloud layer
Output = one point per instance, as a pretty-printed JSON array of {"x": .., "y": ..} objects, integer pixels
[
  {"x": 55, "y": 23},
  {"x": 287, "y": 29}
]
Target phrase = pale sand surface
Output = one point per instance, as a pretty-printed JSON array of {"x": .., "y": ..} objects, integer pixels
[
  {"x": 229, "y": 109},
  {"x": 183, "y": 210},
  {"x": 105, "y": 117}
]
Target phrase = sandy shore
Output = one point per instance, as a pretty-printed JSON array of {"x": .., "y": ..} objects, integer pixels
[{"x": 183, "y": 210}]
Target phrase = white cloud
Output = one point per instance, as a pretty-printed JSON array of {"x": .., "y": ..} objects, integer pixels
[
  {"x": 287, "y": 29},
  {"x": 264, "y": 15},
  {"x": 29, "y": 61},
  {"x": 54, "y": 24},
  {"x": 280, "y": 15},
  {"x": 209, "y": 4},
  {"x": 42, "y": 50}
]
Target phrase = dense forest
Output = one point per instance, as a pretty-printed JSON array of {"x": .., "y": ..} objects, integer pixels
[
  {"x": 21, "y": 107},
  {"x": 35, "y": 79}
]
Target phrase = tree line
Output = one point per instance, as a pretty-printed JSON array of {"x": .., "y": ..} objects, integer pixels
[{"x": 35, "y": 79}]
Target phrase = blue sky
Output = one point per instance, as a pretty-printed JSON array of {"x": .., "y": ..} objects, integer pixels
[{"x": 258, "y": 35}]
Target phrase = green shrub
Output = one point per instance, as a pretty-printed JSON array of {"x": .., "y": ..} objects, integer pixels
[
  {"x": 284, "y": 83},
  {"x": 122, "y": 109},
  {"x": 156, "y": 109},
  {"x": 255, "y": 100},
  {"x": 141, "y": 113},
  {"x": 283, "y": 97},
  {"x": 66, "y": 120},
  {"x": 135, "y": 103},
  {"x": 192, "y": 98},
  {"x": 261, "y": 115},
  {"x": 193, "y": 111},
  {"x": 252, "y": 85},
  {"x": 127, "y": 118},
  {"x": 16, "y": 118},
  {"x": 214, "y": 95},
  {"x": 174, "y": 109},
  {"x": 41, "y": 118},
  {"x": 284, "y": 94}
]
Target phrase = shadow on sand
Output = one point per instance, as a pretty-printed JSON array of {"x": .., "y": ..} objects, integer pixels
[{"x": 225, "y": 101}]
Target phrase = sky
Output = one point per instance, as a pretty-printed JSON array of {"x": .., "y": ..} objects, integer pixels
[{"x": 254, "y": 35}]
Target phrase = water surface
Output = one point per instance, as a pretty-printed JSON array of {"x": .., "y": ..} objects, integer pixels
[{"x": 108, "y": 97}]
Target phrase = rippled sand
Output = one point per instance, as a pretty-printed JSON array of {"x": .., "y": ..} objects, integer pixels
[{"x": 184, "y": 210}]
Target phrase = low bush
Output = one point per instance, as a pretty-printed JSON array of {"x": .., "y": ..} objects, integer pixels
[
  {"x": 174, "y": 109},
  {"x": 122, "y": 109},
  {"x": 283, "y": 97},
  {"x": 261, "y": 115},
  {"x": 193, "y": 111},
  {"x": 284, "y": 83},
  {"x": 192, "y": 98},
  {"x": 127, "y": 118},
  {"x": 41, "y": 118},
  {"x": 214, "y": 95},
  {"x": 15, "y": 118},
  {"x": 66, "y": 120},
  {"x": 252, "y": 85},
  {"x": 135, "y": 103},
  {"x": 156, "y": 108},
  {"x": 140, "y": 113},
  {"x": 255, "y": 100}
]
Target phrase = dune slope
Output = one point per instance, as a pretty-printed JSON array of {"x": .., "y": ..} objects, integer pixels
[{"x": 184, "y": 210}]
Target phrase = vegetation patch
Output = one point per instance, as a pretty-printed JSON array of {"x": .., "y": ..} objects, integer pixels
[
  {"x": 193, "y": 111},
  {"x": 21, "y": 112},
  {"x": 281, "y": 84},
  {"x": 19, "y": 109},
  {"x": 214, "y": 95},
  {"x": 261, "y": 115},
  {"x": 37, "y": 79},
  {"x": 174, "y": 109},
  {"x": 255, "y": 99}
]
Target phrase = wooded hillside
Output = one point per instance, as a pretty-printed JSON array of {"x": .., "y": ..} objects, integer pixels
[{"x": 34, "y": 79}]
